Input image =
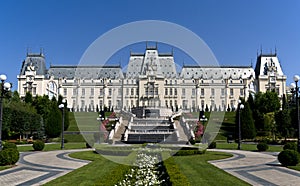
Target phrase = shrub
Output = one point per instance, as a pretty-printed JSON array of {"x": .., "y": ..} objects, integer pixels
[
  {"x": 212, "y": 145},
  {"x": 38, "y": 145},
  {"x": 288, "y": 157},
  {"x": 8, "y": 145},
  {"x": 262, "y": 146},
  {"x": 290, "y": 146},
  {"x": 173, "y": 170},
  {"x": 9, "y": 156}
]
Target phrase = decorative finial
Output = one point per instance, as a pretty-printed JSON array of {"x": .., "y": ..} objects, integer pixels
[{"x": 260, "y": 49}]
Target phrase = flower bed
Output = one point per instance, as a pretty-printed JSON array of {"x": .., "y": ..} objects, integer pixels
[{"x": 148, "y": 171}]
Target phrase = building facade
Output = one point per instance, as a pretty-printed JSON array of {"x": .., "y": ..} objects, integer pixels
[{"x": 151, "y": 80}]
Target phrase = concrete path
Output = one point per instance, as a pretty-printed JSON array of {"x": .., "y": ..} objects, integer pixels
[
  {"x": 37, "y": 168},
  {"x": 257, "y": 168}
]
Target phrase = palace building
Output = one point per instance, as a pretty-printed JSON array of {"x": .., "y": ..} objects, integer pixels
[{"x": 151, "y": 80}]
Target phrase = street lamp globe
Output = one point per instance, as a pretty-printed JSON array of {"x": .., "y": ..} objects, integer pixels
[
  {"x": 296, "y": 78},
  {"x": 242, "y": 106},
  {"x": 7, "y": 86},
  {"x": 2, "y": 77},
  {"x": 293, "y": 86}
]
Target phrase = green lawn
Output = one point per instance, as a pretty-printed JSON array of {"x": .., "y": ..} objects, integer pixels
[
  {"x": 196, "y": 168},
  {"x": 6, "y": 167},
  {"x": 56, "y": 146},
  {"x": 99, "y": 172},
  {"x": 200, "y": 172}
]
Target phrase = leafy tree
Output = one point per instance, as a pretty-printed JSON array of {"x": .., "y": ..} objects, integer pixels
[
  {"x": 15, "y": 97},
  {"x": 28, "y": 97},
  {"x": 264, "y": 103},
  {"x": 283, "y": 124}
]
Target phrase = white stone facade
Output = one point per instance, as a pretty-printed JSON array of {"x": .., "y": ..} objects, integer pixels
[{"x": 151, "y": 80}]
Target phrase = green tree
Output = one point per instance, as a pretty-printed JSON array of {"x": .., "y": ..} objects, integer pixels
[
  {"x": 264, "y": 103},
  {"x": 53, "y": 122},
  {"x": 283, "y": 124},
  {"x": 28, "y": 97},
  {"x": 247, "y": 123}
]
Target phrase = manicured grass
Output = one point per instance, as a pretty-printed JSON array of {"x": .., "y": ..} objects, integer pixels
[
  {"x": 99, "y": 172},
  {"x": 73, "y": 124},
  {"x": 194, "y": 168},
  {"x": 56, "y": 146},
  {"x": 248, "y": 147},
  {"x": 87, "y": 121},
  {"x": 74, "y": 138},
  {"x": 6, "y": 167},
  {"x": 199, "y": 172}
]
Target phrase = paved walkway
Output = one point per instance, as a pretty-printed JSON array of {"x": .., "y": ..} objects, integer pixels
[
  {"x": 257, "y": 168},
  {"x": 37, "y": 168}
]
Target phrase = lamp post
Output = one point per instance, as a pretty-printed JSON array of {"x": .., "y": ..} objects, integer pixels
[
  {"x": 5, "y": 87},
  {"x": 62, "y": 106},
  {"x": 203, "y": 119},
  {"x": 296, "y": 90},
  {"x": 240, "y": 107}
]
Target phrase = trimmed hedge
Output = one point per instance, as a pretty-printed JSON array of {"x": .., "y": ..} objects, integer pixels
[
  {"x": 262, "y": 146},
  {"x": 38, "y": 145},
  {"x": 212, "y": 145},
  {"x": 9, "y": 156},
  {"x": 113, "y": 152},
  {"x": 8, "y": 145},
  {"x": 188, "y": 152},
  {"x": 290, "y": 146},
  {"x": 176, "y": 176},
  {"x": 288, "y": 157}
]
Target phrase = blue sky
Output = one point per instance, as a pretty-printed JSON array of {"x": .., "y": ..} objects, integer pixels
[{"x": 234, "y": 30}]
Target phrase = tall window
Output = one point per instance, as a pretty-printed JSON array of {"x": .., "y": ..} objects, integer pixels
[
  {"x": 175, "y": 91},
  {"x": 132, "y": 92},
  {"x": 83, "y": 92},
  {"x": 193, "y": 103},
  {"x": 92, "y": 91},
  {"x": 183, "y": 92},
  {"x": 212, "y": 91},
  {"x": 166, "y": 102},
  {"x": 156, "y": 91},
  {"x": 101, "y": 91},
  {"x": 242, "y": 92},
  {"x": 184, "y": 104},
  {"x": 166, "y": 91},
  {"x": 193, "y": 92},
  {"x": 65, "y": 91},
  {"x": 74, "y": 91},
  {"x": 222, "y": 92},
  {"x": 82, "y": 104},
  {"x": 109, "y": 91},
  {"x": 202, "y": 104},
  {"x": 171, "y": 91},
  {"x": 231, "y": 92},
  {"x": 202, "y": 91}
]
